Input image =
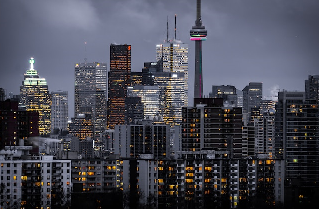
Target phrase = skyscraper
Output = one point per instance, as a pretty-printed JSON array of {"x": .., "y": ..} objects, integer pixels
[
  {"x": 34, "y": 95},
  {"x": 59, "y": 110},
  {"x": 228, "y": 93},
  {"x": 312, "y": 87},
  {"x": 119, "y": 80},
  {"x": 252, "y": 97},
  {"x": 90, "y": 94},
  {"x": 198, "y": 34}
]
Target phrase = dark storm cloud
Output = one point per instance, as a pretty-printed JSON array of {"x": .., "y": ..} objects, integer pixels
[{"x": 270, "y": 41}]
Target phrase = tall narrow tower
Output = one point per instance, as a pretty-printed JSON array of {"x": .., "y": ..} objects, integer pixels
[{"x": 198, "y": 34}]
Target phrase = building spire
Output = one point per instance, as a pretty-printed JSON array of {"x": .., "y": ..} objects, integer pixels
[
  {"x": 167, "y": 30},
  {"x": 175, "y": 27},
  {"x": 31, "y": 61}
]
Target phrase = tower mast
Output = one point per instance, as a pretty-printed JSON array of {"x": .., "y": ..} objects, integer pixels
[{"x": 198, "y": 34}]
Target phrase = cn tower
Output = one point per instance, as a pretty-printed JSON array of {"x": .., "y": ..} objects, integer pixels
[{"x": 198, "y": 34}]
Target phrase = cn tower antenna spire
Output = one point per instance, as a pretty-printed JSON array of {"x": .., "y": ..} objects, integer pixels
[{"x": 198, "y": 34}]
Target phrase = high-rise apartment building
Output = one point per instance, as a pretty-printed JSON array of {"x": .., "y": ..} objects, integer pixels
[
  {"x": 210, "y": 126},
  {"x": 90, "y": 93},
  {"x": 119, "y": 80},
  {"x": 35, "y": 96},
  {"x": 297, "y": 142},
  {"x": 59, "y": 110}
]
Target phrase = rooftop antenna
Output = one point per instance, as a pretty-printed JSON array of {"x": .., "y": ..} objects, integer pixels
[
  {"x": 85, "y": 59},
  {"x": 175, "y": 26},
  {"x": 167, "y": 30}
]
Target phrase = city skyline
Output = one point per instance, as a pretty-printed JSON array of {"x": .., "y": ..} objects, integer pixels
[{"x": 273, "y": 42}]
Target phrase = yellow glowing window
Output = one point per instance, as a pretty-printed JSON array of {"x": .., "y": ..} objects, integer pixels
[
  {"x": 268, "y": 162},
  {"x": 224, "y": 180},
  {"x": 208, "y": 168},
  {"x": 189, "y": 174},
  {"x": 38, "y": 184},
  {"x": 114, "y": 167},
  {"x": 24, "y": 178},
  {"x": 83, "y": 179},
  {"x": 207, "y": 180},
  {"x": 14, "y": 177},
  {"x": 48, "y": 184},
  {"x": 90, "y": 173},
  {"x": 189, "y": 180},
  {"x": 160, "y": 168},
  {"x": 171, "y": 186},
  {"x": 83, "y": 173},
  {"x": 160, "y": 181},
  {"x": 189, "y": 168}
]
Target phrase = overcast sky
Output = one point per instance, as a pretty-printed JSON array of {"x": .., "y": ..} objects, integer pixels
[{"x": 271, "y": 41}]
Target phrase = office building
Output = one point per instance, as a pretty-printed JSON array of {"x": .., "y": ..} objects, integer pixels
[
  {"x": 134, "y": 110},
  {"x": 34, "y": 95},
  {"x": 228, "y": 93},
  {"x": 252, "y": 97},
  {"x": 150, "y": 99},
  {"x": 312, "y": 87},
  {"x": 59, "y": 111},
  {"x": 82, "y": 126},
  {"x": 174, "y": 57},
  {"x": 119, "y": 80},
  {"x": 90, "y": 94}
]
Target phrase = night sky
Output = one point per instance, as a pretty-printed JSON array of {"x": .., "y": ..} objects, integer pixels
[{"x": 271, "y": 41}]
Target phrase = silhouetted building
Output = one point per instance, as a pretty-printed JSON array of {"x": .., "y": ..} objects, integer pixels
[
  {"x": 16, "y": 124},
  {"x": 2, "y": 94}
]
